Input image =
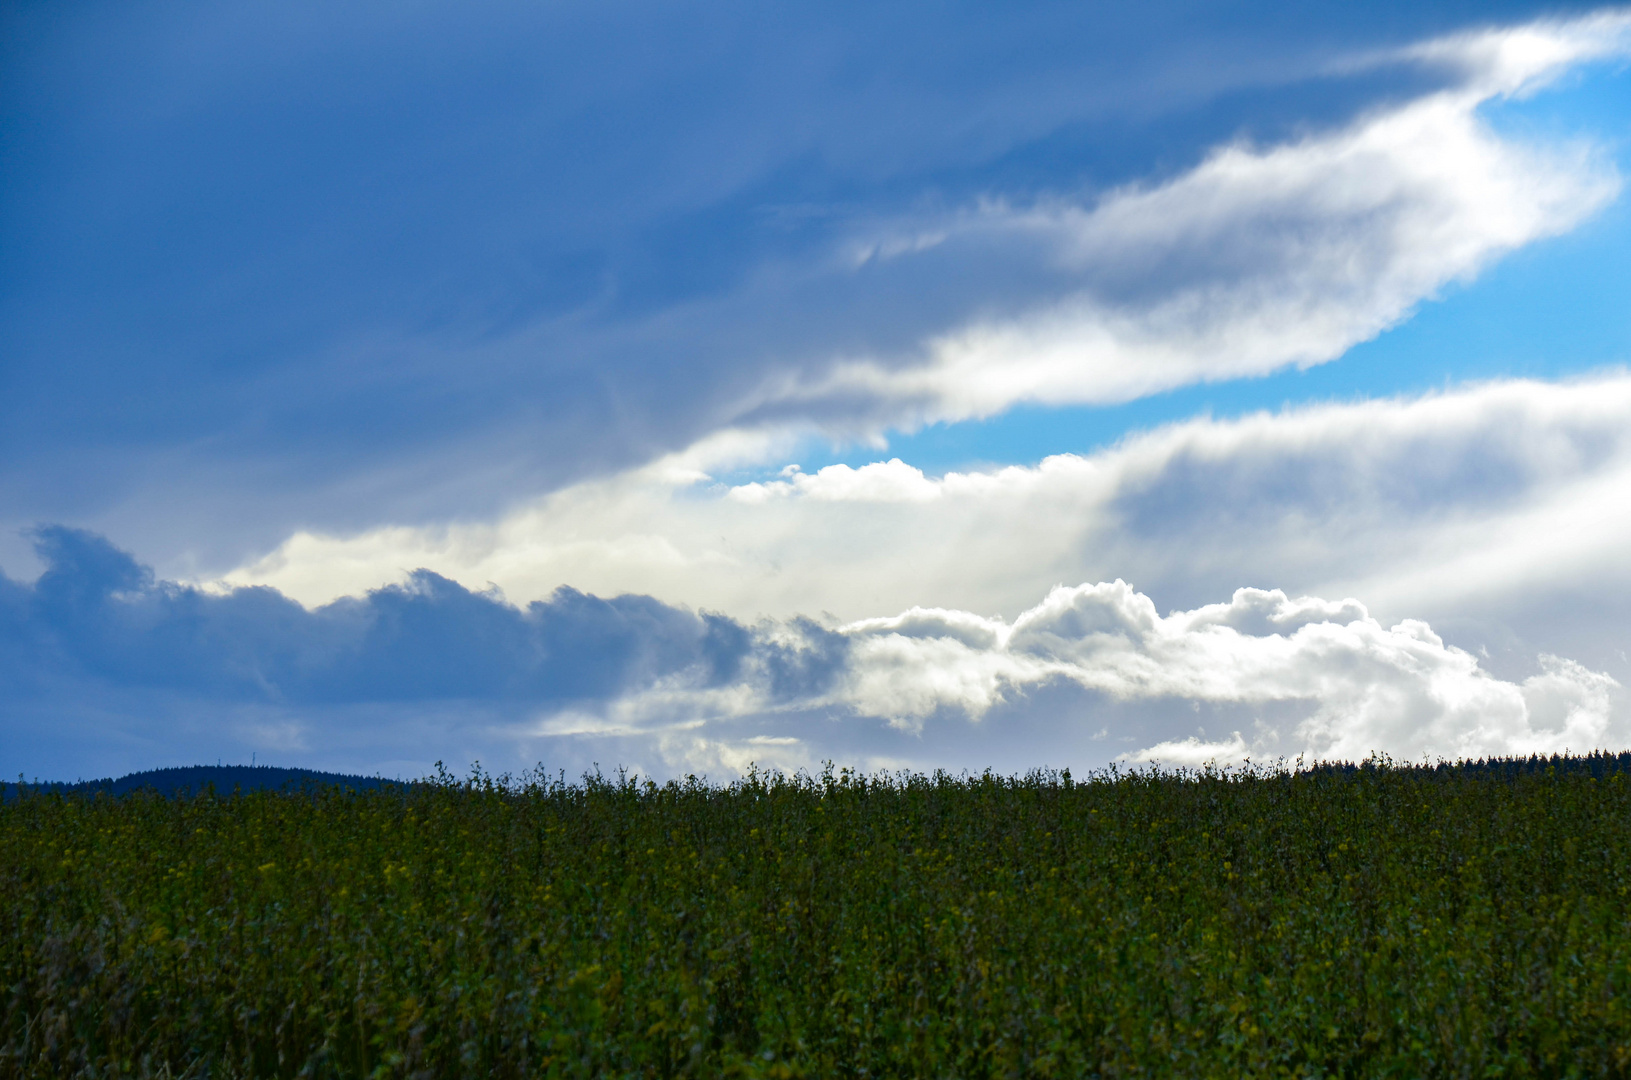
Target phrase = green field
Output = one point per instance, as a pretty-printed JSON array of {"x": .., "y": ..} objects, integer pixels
[{"x": 1378, "y": 921}]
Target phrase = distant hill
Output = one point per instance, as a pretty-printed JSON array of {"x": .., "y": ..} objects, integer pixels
[{"x": 193, "y": 779}]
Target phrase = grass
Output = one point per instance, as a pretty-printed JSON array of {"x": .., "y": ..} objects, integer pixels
[{"x": 1374, "y": 921}]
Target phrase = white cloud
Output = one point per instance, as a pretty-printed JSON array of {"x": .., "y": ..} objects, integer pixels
[
  {"x": 1521, "y": 59},
  {"x": 881, "y": 481},
  {"x": 1353, "y": 686},
  {"x": 1192, "y": 753},
  {"x": 1259, "y": 258},
  {"x": 1399, "y": 690}
]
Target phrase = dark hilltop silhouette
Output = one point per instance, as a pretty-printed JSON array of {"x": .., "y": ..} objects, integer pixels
[{"x": 194, "y": 779}]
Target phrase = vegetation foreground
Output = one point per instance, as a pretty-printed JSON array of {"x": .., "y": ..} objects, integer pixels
[{"x": 1457, "y": 921}]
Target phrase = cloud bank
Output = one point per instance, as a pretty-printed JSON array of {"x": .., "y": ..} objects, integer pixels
[
  {"x": 1496, "y": 512},
  {"x": 680, "y": 690},
  {"x": 784, "y": 249}
]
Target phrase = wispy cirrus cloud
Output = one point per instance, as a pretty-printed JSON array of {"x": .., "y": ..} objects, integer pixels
[{"x": 1260, "y": 258}]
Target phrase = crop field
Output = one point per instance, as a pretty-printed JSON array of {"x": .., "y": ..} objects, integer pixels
[{"x": 1374, "y": 921}]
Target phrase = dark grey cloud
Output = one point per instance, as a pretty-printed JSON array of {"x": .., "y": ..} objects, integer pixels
[
  {"x": 97, "y": 616},
  {"x": 102, "y": 664}
]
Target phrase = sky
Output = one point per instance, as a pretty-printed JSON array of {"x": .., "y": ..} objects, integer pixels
[{"x": 908, "y": 386}]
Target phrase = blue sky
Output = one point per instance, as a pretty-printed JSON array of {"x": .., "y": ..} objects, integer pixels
[{"x": 334, "y": 337}]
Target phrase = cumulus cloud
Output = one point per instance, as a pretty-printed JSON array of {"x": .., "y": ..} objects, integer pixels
[
  {"x": 1321, "y": 680},
  {"x": 1317, "y": 678},
  {"x": 1367, "y": 688}
]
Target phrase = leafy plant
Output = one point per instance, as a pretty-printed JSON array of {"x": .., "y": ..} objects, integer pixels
[{"x": 1359, "y": 921}]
